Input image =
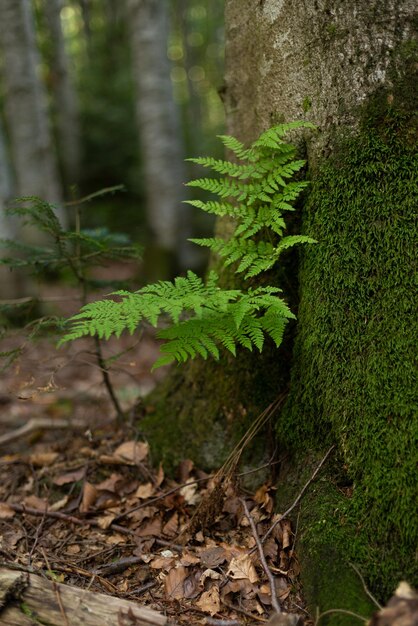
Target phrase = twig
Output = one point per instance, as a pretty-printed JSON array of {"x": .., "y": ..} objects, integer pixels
[
  {"x": 366, "y": 590},
  {"x": 299, "y": 497},
  {"x": 40, "y": 423},
  {"x": 118, "y": 518},
  {"x": 344, "y": 611},
  {"x": 117, "y": 566},
  {"x": 212, "y": 621},
  {"x": 37, "y": 535},
  {"x": 71, "y": 569},
  {"x": 238, "y": 609},
  {"x": 274, "y": 600},
  {"x": 21, "y": 508}
]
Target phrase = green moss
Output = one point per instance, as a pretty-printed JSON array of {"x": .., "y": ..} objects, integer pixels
[
  {"x": 203, "y": 408},
  {"x": 306, "y": 104},
  {"x": 325, "y": 531},
  {"x": 354, "y": 378}
]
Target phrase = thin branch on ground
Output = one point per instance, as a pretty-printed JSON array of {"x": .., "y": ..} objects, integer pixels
[
  {"x": 145, "y": 503},
  {"x": 40, "y": 423},
  {"x": 366, "y": 590},
  {"x": 212, "y": 621},
  {"x": 37, "y": 536},
  {"x": 274, "y": 601},
  {"x": 238, "y": 609},
  {"x": 299, "y": 497},
  {"x": 343, "y": 611},
  {"x": 21, "y": 508}
]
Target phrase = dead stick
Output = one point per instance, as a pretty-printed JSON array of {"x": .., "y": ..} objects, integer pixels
[
  {"x": 366, "y": 589},
  {"x": 274, "y": 600},
  {"x": 299, "y": 497},
  {"x": 39, "y": 423},
  {"x": 212, "y": 621},
  {"x": 21, "y": 508},
  {"x": 161, "y": 497},
  {"x": 238, "y": 609}
]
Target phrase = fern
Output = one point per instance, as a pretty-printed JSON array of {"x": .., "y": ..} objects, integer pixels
[{"x": 199, "y": 317}]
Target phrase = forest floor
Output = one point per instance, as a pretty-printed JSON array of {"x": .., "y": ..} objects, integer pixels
[{"x": 83, "y": 503}]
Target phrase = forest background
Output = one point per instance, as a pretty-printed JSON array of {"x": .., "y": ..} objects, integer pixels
[{"x": 84, "y": 109}]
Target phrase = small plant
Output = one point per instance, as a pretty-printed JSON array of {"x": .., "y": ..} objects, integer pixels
[
  {"x": 72, "y": 251},
  {"x": 255, "y": 191}
]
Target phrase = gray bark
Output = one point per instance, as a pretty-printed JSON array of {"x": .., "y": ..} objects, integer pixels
[
  {"x": 65, "y": 97},
  {"x": 317, "y": 60},
  {"x": 8, "y": 286},
  {"x": 26, "y": 106},
  {"x": 159, "y": 128}
]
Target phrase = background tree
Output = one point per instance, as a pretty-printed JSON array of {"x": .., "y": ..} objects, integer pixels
[
  {"x": 159, "y": 125},
  {"x": 8, "y": 285},
  {"x": 26, "y": 106},
  {"x": 65, "y": 101},
  {"x": 350, "y": 69}
]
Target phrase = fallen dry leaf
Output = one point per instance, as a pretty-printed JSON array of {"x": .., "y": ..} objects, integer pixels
[
  {"x": 170, "y": 529},
  {"x": 110, "y": 484},
  {"x": 212, "y": 557},
  {"x": 132, "y": 451},
  {"x": 89, "y": 497},
  {"x": 144, "y": 491},
  {"x": 242, "y": 567},
  {"x": 163, "y": 562},
  {"x": 42, "y": 459},
  {"x": 209, "y": 601},
  {"x": 190, "y": 494},
  {"x": 104, "y": 521},
  {"x": 173, "y": 582},
  {"x": 5, "y": 511},
  {"x": 59, "y": 504},
  {"x": 33, "y": 502},
  {"x": 211, "y": 574},
  {"x": 69, "y": 477}
]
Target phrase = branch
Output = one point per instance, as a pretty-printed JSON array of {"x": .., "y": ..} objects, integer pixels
[
  {"x": 274, "y": 600},
  {"x": 40, "y": 423},
  {"x": 299, "y": 497}
]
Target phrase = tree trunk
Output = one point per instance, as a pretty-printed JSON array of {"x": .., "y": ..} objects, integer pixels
[
  {"x": 65, "y": 97},
  {"x": 26, "y": 106},
  {"x": 351, "y": 69},
  {"x": 8, "y": 284},
  {"x": 159, "y": 128}
]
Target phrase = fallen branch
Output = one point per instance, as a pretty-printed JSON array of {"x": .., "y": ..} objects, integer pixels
[
  {"x": 40, "y": 423},
  {"x": 274, "y": 600},
  {"x": 39, "y": 597}
]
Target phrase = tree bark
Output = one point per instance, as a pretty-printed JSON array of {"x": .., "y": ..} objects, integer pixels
[
  {"x": 65, "y": 97},
  {"x": 8, "y": 284},
  {"x": 159, "y": 127},
  {"x": 351, "y": 69},
  {"x": 26, "y": 106}
]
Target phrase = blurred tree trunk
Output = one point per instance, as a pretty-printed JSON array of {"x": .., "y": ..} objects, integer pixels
[
  {"x": 9, "y": 287},
  {"x": 32, "y": 149},
  {"x": 159, "y": 130},
  {"x": 65, "y": 97},
  {"x": 351, "y": 69}
]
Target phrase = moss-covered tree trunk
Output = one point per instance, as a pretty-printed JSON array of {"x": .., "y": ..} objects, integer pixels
[{"x": 349, "y": 67}]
